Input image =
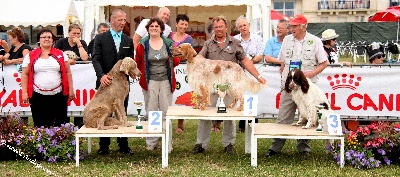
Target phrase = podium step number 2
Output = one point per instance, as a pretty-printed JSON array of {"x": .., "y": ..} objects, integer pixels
[
  {"x": 155, "y": 120},
  {"x": 250, "y": 105}
]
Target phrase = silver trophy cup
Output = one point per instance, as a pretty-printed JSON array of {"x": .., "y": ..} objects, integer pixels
[
  {"x": 221, "y": 89},
  {"x": 139, "y": 104}
]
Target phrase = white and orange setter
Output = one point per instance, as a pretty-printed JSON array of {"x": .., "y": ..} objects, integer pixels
[{"x": 204, "y": 73}]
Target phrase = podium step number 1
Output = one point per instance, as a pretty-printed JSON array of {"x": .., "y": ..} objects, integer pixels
[
  {"x": 250, "y": 105},
  {"x": 155, "y": 120}
]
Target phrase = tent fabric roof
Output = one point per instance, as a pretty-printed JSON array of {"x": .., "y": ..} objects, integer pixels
[
  {"x": 35, "y": 13},
  {"x": 161, "y": 3}
]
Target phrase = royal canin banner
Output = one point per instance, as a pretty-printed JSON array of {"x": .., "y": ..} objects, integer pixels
[{"x": 351, "y": 91}]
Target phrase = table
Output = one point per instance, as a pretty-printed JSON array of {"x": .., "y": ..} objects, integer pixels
[
  {"x": 187, "y": 112},
  {"x": 120, "y": 132},
  {"x": 287, "y": 131}
]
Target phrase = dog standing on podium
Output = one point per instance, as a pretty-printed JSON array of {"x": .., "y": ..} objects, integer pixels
[{"x": 204, "y": 73}]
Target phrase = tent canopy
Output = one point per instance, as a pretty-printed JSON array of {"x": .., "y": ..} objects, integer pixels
[
  {"x": 35, "y": 13},
  {"x": 94, "y": 10},
  {"x": 162, "y": 3}
]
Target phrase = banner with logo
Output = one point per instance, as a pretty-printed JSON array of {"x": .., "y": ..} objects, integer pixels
[{"x": 351, "y": 91}]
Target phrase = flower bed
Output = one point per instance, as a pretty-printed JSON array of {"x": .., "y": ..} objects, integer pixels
[
  {"x": 371, "y": 146},
  {"x": 52, "y": 144}
]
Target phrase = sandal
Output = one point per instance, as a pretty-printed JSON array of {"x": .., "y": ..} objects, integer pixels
[{"x": 179, "y": 130}]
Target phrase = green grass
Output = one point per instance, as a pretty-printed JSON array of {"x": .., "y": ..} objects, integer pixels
[{"x": 214, "y": 162}]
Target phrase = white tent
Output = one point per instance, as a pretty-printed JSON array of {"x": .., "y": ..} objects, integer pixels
[
  {"x": 94, "y": 10},
  {"x": 35, "y": 13}
]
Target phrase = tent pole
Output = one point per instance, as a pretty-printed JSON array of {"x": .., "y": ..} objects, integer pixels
[{"x": 397, "y": 37}]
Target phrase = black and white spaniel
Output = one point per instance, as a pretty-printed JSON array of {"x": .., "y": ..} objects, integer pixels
[{"x": 307, "y": 96}]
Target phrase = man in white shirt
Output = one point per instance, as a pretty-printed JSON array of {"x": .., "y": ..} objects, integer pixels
[{"x": 163, "y": 14}]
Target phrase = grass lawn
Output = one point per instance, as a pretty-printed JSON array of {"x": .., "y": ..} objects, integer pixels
[{"x": 214, "y": 162}]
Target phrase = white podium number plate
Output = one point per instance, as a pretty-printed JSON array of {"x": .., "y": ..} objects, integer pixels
[
  {"x": 155, "y": 120},
  {"x": 334, "y": 124},
  {"x": 250, "y": 105}
]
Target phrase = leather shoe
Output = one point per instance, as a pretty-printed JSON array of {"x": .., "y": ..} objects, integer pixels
[
  {"x": 102, "y": 151},
  {"x": 126, "y": 151},
  {"x": 270, "y": 153}
]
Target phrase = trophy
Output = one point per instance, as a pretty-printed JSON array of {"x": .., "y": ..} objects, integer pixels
[
  {"x": 319, "y": 127},
  {"x": 221, "y": 89},
  {"x": 139, "y": 126}
]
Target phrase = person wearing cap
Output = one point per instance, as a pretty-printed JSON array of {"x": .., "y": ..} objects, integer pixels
[
  {"x": 305, "y": 52},
  {"x": 376, "y": 56},
  {"x": 329, "y": 40},
  {"x": 273, "y": 45}
]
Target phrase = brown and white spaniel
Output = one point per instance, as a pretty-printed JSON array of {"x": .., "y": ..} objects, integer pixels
[{"x": 307, "y": 96}]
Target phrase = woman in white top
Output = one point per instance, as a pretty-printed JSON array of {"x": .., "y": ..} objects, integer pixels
[{"x": 47, "y": 82}]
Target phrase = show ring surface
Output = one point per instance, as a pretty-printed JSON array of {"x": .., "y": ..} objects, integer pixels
[
  {"x": 287, "y": 131},
  {"x": 187, "y": 112},
  {"x": 122, "y": 131}
]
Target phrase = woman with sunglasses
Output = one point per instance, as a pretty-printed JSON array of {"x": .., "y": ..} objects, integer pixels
[
  {"x": 329, "y": 40},
  {"x": 376, "y": 56}
]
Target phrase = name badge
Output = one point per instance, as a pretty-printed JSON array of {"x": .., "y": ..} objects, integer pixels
[{"x": 294, "y": 64}]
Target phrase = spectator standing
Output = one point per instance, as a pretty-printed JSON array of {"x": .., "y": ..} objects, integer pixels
[
  {"x": 376, "y": 56},
  {"x": 180, "y": 37},
  {"x": 101, "y": 28},
  {"x": 17, "y": 52},
  {"x": 47, "y": 82},
  {"x": 109, "y": 47},
  {"x": 74, "y": 43},
  {"x": 252, "y": 45},
  {"x": 329, "y": 40},
  {"x": 141, "y": 32},
  {"x": 274, "y": 44},
  {"x": 221, "y": 44},
  {"x": 307, "y": 48}
]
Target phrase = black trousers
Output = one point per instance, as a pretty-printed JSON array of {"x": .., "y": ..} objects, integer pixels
[
  {"x": 242, "y": 123},
  {"x": 122, "y": 142},
  {"x": 48, "y": 110}
]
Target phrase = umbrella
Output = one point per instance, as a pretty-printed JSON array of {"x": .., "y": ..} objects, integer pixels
[
  {"x": 277, "y": 16},
  {"x": 388, "y": 15}
]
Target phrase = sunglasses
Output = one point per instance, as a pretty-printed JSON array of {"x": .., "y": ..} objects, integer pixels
[
  {"x": 379, "y": 56},
  {"x": 334, "y": 39}
]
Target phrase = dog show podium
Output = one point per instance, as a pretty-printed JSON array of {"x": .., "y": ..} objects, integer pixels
[
  {"x": 121, "y": 131},
  {"x": 187, "y": 112},
  {"x": 288, "y": 131}
]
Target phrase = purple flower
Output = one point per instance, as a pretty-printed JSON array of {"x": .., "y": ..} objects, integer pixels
[
  {"x": 391, "y": 144},
  {"x": 371, "y": 159},
  {"x": 387, "y": 161},
  {"x": 73, "y": 142},
  {"x": 18, "y": 142},
  {"x": 381, "y": 151},
  {"x": 54, "y": 142},
  {"x": 49, "y": 132},
  {"x": 348, "y": 155},
  {"x": 69, "y": 156},
  {"x": 30, "y": 137}
]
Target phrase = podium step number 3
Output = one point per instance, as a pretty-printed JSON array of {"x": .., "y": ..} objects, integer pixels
[
  {"x": 250, "y": 105},
  {"x": 155, "y": 120}
]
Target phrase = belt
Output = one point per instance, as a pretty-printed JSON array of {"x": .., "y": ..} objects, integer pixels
[{"x": 47, "y": 90}]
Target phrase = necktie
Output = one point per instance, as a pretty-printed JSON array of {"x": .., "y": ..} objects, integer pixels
[{"x": 117, "y": 42}]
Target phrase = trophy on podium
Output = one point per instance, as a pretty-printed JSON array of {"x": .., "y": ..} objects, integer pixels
[
  {"x": 320, "y": 124},
  {"x": 139, "y": 126},
  {"x": 221, "y": 89}
]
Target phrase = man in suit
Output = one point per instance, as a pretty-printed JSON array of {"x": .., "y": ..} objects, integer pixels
[{"x": 109, "y": 47}]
